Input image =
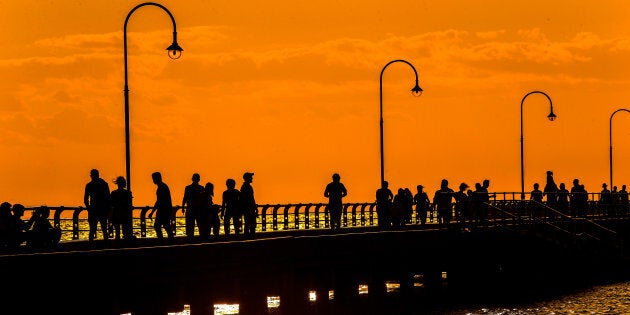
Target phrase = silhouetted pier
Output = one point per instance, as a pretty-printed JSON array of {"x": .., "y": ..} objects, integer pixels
[{"x": 522, "y": 248}]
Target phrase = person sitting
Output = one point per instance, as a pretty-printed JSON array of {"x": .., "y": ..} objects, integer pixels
[{"x": 43, "y": 234}]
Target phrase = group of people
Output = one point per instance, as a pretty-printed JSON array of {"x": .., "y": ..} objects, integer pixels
[
  {"x": 397, "y": 210},
  {"x": 37, "y": 232},
  {"x": 115, "y": 208},
  {"x": 574, "y": 202}
]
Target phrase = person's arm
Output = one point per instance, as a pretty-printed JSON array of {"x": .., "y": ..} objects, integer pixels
[
  {"x": 184, "y": 201},
  {"x": 86, "y": 197},
  {"x": 344, "y": 191}
]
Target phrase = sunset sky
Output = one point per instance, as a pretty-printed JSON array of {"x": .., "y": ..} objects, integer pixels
[{"x": 289, "y": 90}]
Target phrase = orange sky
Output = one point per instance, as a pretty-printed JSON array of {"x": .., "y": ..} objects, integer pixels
[{"x": 290, "y": 91}]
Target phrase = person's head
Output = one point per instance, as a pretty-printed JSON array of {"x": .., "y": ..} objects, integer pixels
[
  {"x": 384, "y": 184},
  {"x": 576, "y": 182},
  {"x": 94, "y": 174},
  {"x": 604, "y": 185},
  {"x": 230, "y": 183},
  {"x": 18, "y": 210},
  {"x": 157, "y": 177},
  {"x": 420, "y": 187},
  {"x": 209, "y": 188},
  {"x": 248, "y": 177},
  {"x": 444, "y": 183},
  {"x": 536, "y": 186},
  {"x": 43, "y": 211},
  {"x": 336, "y": 177},
  {"x": 401, "y": 191},
  {"x": 486, "y": 183},
  {"x": 477, "y": 186},
  {"x": 120, "y": 181},
  {"x": 623, "y": 187},
  {"x": 562, "y": 186},
  {"x": 549, "y": 173},
  {"x": 463, "y": 186},
  {"x": 196, "y": 178}
]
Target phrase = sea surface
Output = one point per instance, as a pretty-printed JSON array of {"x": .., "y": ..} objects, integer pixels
[{"x": 610, "y": 298}]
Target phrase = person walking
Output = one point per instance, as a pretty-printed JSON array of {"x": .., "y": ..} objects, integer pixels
[
  {"x": 335, "y": 191},
  {"x": 97, "y": 200},
  {"x": 384, "y": 204},
  {"x": 163, "y": 208}
]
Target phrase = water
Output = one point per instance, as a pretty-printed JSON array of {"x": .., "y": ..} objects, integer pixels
[{"x": 613, "y": 298}]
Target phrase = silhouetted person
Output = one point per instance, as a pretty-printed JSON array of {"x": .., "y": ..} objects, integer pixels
[
  {"x": 43, "y": 235},
  {"x": 163, "y": 208},
  {"x": 624, "y": 203},
  {"x": 335, "y": 191},
  {"x": 562, "y": 204},
  {"x": 408, "y": 205},
  {"x": 578, "y": 199},
  {"x": 231, "y": 207},
  {"x": 551, "y": 191},
  {"x": 443, "y": 200},
  {"x": 399, "y": 208},
  {"x": 423, "y": 203},
  {"x": 97, "y": 200},
  {"x": 536, "y": 196},
  {"x": 248, "y": 205},
  {"x": 5, "y": 224},
  {"x": 18, "y": 229},
  {"x": 614, "y": 207},
  {"x": 477, "y": 207},
  {"x": 605, "y": 200},
  {"x": 122, "y": 210},
  {"x": 210, "y": 221},
  {"x": 485, "y": 199},
  {"x": 193, "y": 204},
  {"x": 384, "y": 199},
  {"x": 462, "y": 205}
]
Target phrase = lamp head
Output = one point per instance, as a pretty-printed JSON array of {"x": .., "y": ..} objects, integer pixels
[
  {"x": 552, "y": 116},
  {"x": 416, "y": 91},
  {"x": 174, "y": 50}
]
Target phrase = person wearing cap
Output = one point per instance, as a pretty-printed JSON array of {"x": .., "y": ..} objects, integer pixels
[
  {"x": 423, "y": 203},
  {"x": 335, "y": 191},
  {"x": 248, "y": 205}
]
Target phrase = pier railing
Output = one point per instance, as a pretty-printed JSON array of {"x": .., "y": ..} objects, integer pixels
[{"x": 503, "y": 207}]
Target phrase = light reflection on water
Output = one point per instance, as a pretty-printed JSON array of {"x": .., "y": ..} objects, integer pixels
[{"x": 604, "y": 299}]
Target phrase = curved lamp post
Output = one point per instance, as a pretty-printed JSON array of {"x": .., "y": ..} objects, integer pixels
[
  {"x": 416, "y": 91},
  {"x": 174, "y": 52},
  {"x": 551, "y": 117},
  {"x": 610, "y": 138}
]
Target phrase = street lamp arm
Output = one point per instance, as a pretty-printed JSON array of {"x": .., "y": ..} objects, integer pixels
[
  {"x": 551, "y": 117},
  {"x": 610, "y": 142}
]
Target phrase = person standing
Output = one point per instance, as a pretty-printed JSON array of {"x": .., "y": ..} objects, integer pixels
[
  {"x": 384, "y": 204},
  {"x": 335, "y": 191},
  {"x": 164, "y": 208},
  {"x": 248, "y": 204},
  {"x": 551, "y": 191},
  {"x": 211, "y": 222},
  {"x": 443, "y": 200},
  {"x": 97, "y": 200},
  {"x": 193, "y": 204},
  {"x": 122, "y": 209},
  {"x": 423, "y": 203},
  {"x": 230, "y": 207}
]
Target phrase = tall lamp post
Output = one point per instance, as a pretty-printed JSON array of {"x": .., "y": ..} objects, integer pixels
[
  {"x": 416, "y": 91},
  {"x": 610, "y": 138},
  {"x": 174, "y": 52},
  {"x": 551, "y": 117}
]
